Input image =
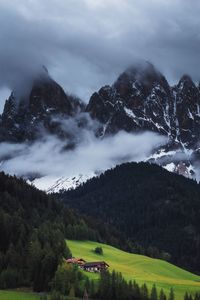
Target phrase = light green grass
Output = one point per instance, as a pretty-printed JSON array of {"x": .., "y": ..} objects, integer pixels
[
  {"x": 15, "y": 295},
  {"x": 138, "y": 267}
]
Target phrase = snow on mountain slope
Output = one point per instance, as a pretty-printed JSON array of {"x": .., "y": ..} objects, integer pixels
[
  {"x": 174, "y": 161},
  {"x": 179, "y": 161},
  {"x": 51, "y": 184}
]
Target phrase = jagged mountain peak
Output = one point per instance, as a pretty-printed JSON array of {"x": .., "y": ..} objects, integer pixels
[
  {"x": 28, "y": 114},
  {"x": 141, "y": 76},
  {"x": 47, "y": 94},
  {"x": 44, "y": 94},
  {"x": 138, "y": 100},
  {"x": 188, "y": 95},
  {"x": 141, "y": 70},
  {"x": 186, "y": 82}
]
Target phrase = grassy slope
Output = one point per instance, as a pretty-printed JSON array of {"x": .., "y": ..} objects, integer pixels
[
  {"x": 138, "y": 267},
  {"x": 15, "y": 295}
]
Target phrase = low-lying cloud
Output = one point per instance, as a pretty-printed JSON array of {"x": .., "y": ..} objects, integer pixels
[{"x": 49, "y": 157}]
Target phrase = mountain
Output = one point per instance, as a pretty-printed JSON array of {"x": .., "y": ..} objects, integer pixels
[
  {"x": 30, "y": 115},
  {"x": 142, "y": 99},
  {"x": 149, "y": 205},
  {"x": 138, "y": 100}
]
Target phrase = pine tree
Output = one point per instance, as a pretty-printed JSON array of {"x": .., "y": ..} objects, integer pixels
[
  {"x": 186, "y": 296},
  {"x": 190, "y": 297},
  {"x": 92, "y": 289},
  {"x": 162, "y": 295},
  {"x": 87, "y": 285},
  {"x": 144, "y": 291},
  {"x": 105, "y": 286},
  {"x": 197, "y": 296},
  {"x": 136, "y": 290},
  {"x": 154, "y": 294},
  {"x": 171, "y": 294}
]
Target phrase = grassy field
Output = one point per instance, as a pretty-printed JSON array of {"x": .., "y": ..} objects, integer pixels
[
  {"x": 138, "y": 267},
  {"x": 16, "y": 295}
]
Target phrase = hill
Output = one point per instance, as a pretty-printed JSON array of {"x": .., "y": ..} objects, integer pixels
[
  {"x": 33, "y": 229},
  {"x": 150, "y": 205},
  {"x": 31, "y": 235},
  {"x": 138, "y": 267}
]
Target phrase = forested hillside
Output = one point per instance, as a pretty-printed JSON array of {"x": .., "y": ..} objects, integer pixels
[
  {"x": 33, "y": 228},
  {"x": 149, "y": 205}
]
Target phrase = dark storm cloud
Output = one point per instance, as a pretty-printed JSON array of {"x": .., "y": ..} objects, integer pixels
[{"x": 86, "y": 43}]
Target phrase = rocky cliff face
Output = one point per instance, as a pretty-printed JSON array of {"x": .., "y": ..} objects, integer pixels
[
  {"x": 141, "y": 99},
  {"x": 28, "y": 117}
]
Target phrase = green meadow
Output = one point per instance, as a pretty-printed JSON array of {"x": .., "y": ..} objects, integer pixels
[
  {"x": 16, "y": 295},
  {"x": 138, "y": 267}
]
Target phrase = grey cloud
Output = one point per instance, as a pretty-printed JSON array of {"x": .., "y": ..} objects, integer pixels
[
  {"x": 85, "y": 44},
  {"x": 46, "y": 157}
]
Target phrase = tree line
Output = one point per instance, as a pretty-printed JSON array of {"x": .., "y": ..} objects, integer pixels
[{"x": 69, "y": 281}]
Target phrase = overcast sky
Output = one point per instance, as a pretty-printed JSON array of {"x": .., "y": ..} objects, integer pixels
[{"x": 86, "y": 43}]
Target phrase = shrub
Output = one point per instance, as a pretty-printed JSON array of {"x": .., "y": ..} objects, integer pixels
[{"x": 98, "y": 250}]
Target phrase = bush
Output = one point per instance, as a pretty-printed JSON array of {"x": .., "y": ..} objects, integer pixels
[{"x": 98, "y": 250}]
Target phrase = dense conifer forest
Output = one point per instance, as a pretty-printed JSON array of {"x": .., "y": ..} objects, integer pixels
[{"x": 151, "y": 206}]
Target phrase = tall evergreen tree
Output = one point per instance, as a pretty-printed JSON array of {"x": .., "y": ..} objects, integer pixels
[
  {"x": 144, "y": 292},
  {"x": 162, "y": 295},
  {"x": 171, "y": 294},
  {"x": 154, "y": 294}
]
